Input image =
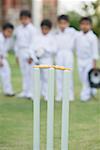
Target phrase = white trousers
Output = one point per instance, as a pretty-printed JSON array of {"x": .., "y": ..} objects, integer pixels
[
  {"x": 84, "y": 69},
  {"x": 44, "y": 76},
  {"x": 26, "y": 71},
  {"x": 64, "y": 59},
  {"x": 5, "y": 74}
]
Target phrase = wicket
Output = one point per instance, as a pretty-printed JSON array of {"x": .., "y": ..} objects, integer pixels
[{"x": 50, "y": 108}]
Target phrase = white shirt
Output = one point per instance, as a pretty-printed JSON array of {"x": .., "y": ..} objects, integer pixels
[
  {"x": 87, "y": 46},
  {"x": 46, "y": 42},
  {"x": 66, "y": 40},
  {"x": 5, "y": 45},
  {"x": 24, "y": 39}
]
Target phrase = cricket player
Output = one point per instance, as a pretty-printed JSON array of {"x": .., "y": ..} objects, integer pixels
[
  {"x": 87, "y": 53},
  {"x": 5, "y": 45},
  {"x": 45, "y": 48},
  {"x": 65, "y": 48},
  {"x": 24, "y": 43}
]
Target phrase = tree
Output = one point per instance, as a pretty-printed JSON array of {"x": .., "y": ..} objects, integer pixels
[
  {"x": 96, "y": 16},
  {"x": 74, "y": 19},
  {"x": 93, "y": 9}
]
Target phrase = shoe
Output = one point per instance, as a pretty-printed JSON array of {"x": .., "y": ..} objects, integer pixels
[
  {"x": 85, "y": 99},
  {"x": 23, "y": 95},
  {"x": 10, "y": 94},
  {"x": 45, "y": 98},
  {"x": 29, "y": 97},
  {"x": 58, "y": 99},
  {"x": 93, "y": 92},
  {"x": 71, "y": 98}
]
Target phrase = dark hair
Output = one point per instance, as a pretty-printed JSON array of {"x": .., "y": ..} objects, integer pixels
[
  {"x": 25, "y": 13},
  {"x": 86, "y": 19},
  {"x": 46, "y": 22},
  {"x": 7, "y": 26},
  {"x": 63, "y": 17}
]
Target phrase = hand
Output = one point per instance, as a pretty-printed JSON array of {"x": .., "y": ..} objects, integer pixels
[
  {"x": 30, "y": 61},
  {"x": 39, "y": 52},
  {"x": 1, "y": 63},
  {"x": 17, "y": 60},
  {"x": 94, "y": 64}
]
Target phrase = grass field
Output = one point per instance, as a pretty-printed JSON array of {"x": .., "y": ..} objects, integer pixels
[{"x": 16, "y": 121}]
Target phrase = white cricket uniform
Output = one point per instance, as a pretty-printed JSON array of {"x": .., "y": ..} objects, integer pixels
[
  {"x": 65, "y": 46},
  {"x": 48, "y": 45},
  {"x": 5, "y": 72},
  {"x": 24, "y": 44},
  {"x": 87, "y": 51}
]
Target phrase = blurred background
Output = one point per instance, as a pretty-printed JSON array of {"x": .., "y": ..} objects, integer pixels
[
  {"x": 9, "y": 10},
  {"x": 16, "y": 116}
]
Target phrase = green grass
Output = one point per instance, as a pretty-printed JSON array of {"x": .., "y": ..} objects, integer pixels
[{"x": 16, "y": 121}]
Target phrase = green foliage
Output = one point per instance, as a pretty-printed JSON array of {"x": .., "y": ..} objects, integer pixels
[
  {"x": 74, "y": 19},
  {"x": 95, "y": 15},
  {"x": 89, "y": 9}
]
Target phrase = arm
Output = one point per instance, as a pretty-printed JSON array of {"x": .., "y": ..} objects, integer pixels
[
  {"x": 95, "y": 51},
  {"x": 52, "y": 46},
  {"x": 15, "y": 46},
  {"x": 2, "y": 52},
  {"x": 32, "y": 56},
  {"x": 3, "y": 47},
  {"x": 1, "y": 55}
]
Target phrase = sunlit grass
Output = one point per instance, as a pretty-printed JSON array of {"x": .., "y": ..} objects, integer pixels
[{"x": 16, "y": 121}]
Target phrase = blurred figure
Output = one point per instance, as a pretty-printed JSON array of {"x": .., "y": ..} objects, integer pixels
[
  {"x": 65, "y": 47},
  {"x": 5, "y": 45},
  {"x": 24, "y": 41},
  {"x": 87, "y": 53},
  {"x": 45, "y": 47}
]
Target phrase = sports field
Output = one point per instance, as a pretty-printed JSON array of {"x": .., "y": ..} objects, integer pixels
[{"x": 16, "y": 121}]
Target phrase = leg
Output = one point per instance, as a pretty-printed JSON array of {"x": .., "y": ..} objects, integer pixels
[
  {"x": 26, "y": 71},
  {"x": 71, "y": 90},
  {"x": 59, "y": 77},
  {"x": 86, "y": 90},
  {"x": 6, "y": 79},
  {"x": 59, "y": 80},
  {"x": 28, "y": 80},
  {"x": 44, "y": 83},
  {"x": 68, "y": 63},
  {"x": 44, "y": 77}
]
